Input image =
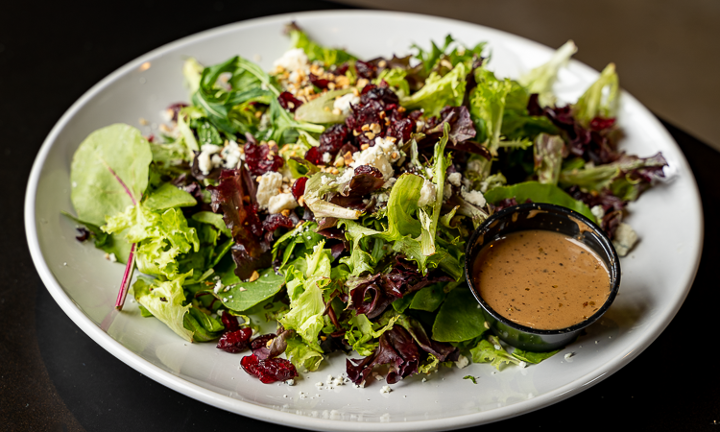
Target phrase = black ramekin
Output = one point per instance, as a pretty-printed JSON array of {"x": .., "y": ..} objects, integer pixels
[{"x": 533, "y": 216}]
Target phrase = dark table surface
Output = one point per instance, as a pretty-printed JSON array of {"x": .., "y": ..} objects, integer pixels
[{"x": 55, "y": 378}]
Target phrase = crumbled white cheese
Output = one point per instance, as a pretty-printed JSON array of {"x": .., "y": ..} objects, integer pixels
[
  {"x": 385, "y": 389},
  {"x": 232, "y": 154},
  {"x": 598, "y": 212},
  {"x": 292, "y": 60},
  {"x": 625, "y": 239},
  {"x": 208, "y": 158},
  {"x": 218, "y": 286},
  {"x": 381, "y": 156},
  {"x": 326, "y": 157},
  {"x": 343, "y": 102},
  {"x": 473, "y": 197},
  {"x": 290, "y": 382},
  {"x": 462, "y": 361},
  {"x": 269, "y": 185},
  {"x": 280, "y": 202},
  {"x": 427, "y": 194},
  {"x": 447, "y": 191},
  {"x": 455, "y": 179}
]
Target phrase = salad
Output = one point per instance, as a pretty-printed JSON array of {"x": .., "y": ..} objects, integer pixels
[{"x": 334, "y": 195}]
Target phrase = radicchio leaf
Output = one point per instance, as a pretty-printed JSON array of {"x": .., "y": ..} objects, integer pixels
[
  {"x": 396, "y": 349},
  {"x": 250, "y": 251}
]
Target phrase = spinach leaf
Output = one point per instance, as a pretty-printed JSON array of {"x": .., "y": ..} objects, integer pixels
[
  {"x": 539, "y": 193},
  {"x": 241, "y": 296},
  {"x": 459, "y": 318}
]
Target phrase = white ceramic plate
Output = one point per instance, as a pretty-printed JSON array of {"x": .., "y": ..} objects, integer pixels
[{"x": 656, "y": 276}]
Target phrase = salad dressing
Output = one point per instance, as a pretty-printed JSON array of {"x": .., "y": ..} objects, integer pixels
[{"x": 541, "y": 279}]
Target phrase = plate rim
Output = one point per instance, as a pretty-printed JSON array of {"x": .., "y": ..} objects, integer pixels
[{"x": 249, "y": 409}]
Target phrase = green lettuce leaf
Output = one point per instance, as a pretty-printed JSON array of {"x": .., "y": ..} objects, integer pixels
[
  {"x": 161, "y": 237},
  {"x": 439, "y": 92},
  {"x": 490, "y": 351},
  {"x": 540, "y": 80},
  {"x": 165, "y": 301},
  {"x": 316, "y": 52},
  {"x": 601, "y": 99},
  {"x": 303, "y": 356}
]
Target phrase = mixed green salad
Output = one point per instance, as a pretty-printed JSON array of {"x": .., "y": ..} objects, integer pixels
[{"x": 334, "y": 195}]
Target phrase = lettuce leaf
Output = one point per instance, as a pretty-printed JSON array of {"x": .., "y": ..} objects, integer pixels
[
  {"x": 439, "y": 92},
  {"x": 161, "y": 237},
  {"x": 314, "y": 51},
  {"x": 601, "y": 99},
  {"x": 165, "y": 301},
  {"x": 540, "y": 80},
  {"x": 490, "y": 351}
]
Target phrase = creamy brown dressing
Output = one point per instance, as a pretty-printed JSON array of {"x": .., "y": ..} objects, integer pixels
[{"x": 541, "y": 279}]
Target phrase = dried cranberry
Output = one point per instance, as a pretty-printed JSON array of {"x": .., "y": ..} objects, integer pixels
[
  {"x": 333, "y": 139},
  {"x": 342, "y": 69},
  {"x": 175, "y": 108},
  {"x": 288, "y": 101},
  {"x": 314, "y": 156},
  {"x": 599, "y": 123},
  {"x": 381, "y": 94},
  {"x": 269, "y": 370},
  {"x": 84, "y": 234},
  {"x": 365, "y": 70},
  {"x": 318, "y": 82},
  {"x": 230, "y": 322},
  {"x": 366, "y": 179},
  {"x": 402, "y": 129},
  {"x": 298, "y": 188},
  {"x": 258, "y": 159},
  {"x": 235, "y": 341},
  {"x": 275, "y": 221}
]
